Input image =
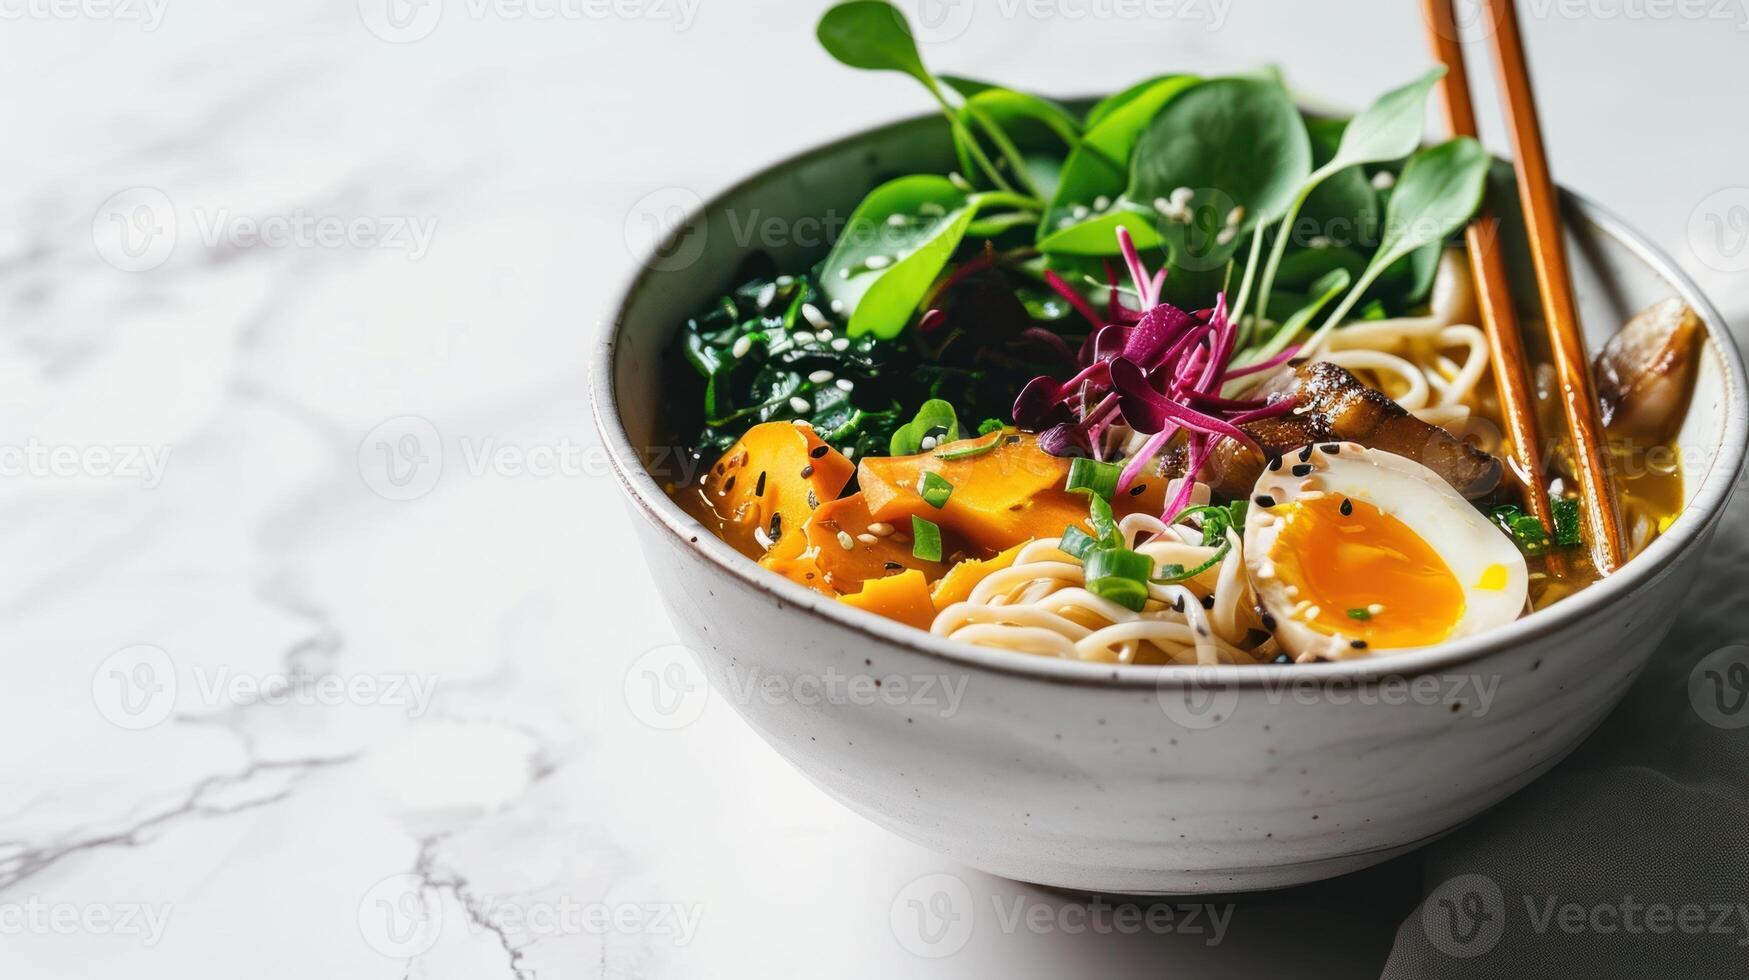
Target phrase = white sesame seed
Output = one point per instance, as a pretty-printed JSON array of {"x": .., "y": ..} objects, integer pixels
[
  {"x": 767, "y": 294},
  {"x": 931, "y": 209},
  {"x": 926, "y": 443},
  {"x": 1163, "y": 206},
  {"x": 743, "y": 344},
  {"x": 1235, "y": 216},
  {"x": 880, "y": 529},
  {"x": 846, "y": 542},
  {"x": 844, "y": 273},
  {"x": 785, "y": 280},
  {"x": 1375, "y": 609},
  {"x": 1065, "y": 222},
  {"x": 812, "y": 314},
  {"x": 802, "y": 337},
  {"x": 760, "y": 536},
  {"x": 826, "y": 333},
  {"x": 1384, "y": 180},
  {"x": 820, "y": 377},
  {"x": 1227, "y": 235},
  {"x": 1182, "y": 196},
  {"x": 896, "y": 221},
  {"x": 849, "y": 452},
  {"x": 798, "y": 404},
  {"x": 1079, "y": 212},
  {"x": 1101, "y": 202},
  {"x": 868, "y": 539},
  {"x": 844, "y": 384},
  {"x": 841, "y": 343},
  {"x": 877, "y": 261}
]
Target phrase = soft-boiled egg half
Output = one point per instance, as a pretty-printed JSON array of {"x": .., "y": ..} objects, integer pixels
[{"x": 1353, "y": 550}]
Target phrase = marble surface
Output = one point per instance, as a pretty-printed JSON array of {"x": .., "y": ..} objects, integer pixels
[{"x": 327, "y": 649}]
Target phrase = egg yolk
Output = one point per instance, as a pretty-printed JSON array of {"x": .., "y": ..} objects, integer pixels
[{"x": 1365, "y": 573}]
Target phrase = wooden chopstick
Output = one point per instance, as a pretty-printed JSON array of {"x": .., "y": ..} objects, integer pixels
[
  {"x": 1548, "y": 249},
  {"x": 1493, "y": 290}
]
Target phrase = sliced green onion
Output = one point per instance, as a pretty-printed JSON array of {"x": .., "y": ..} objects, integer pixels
[
  {"x": 968, "y": 452},
  {"x": 1565, "y": 511},
  {"x": 1532, "y": 537},
  {"x": 1077, "y": 543},
  {"x": 926, "y": 540},
  {"x": 933, "y": 489},
  {"x": 1092, "y": 475},
  {"x": 1120, "y": 575},
  {"x": 1361, "y": 614}
]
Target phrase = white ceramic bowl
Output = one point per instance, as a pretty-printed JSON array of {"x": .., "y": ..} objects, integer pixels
[{"x": 1136, "y": 779}]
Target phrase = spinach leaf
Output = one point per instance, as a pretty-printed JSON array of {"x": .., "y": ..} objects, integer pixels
[
  {"x": 1035, "y": 131},
  {"x": 1389, "y": 129},
  {"x": 873, "y": 35},
  {"x": 1099, "y": 168},
  {"x": 1439, "y": 190},
  {"x": 1240, "y": 150},
  {"x": 898, "y": 240}
]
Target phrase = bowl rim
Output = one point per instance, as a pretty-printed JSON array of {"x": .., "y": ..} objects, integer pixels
[{"x": 1705, "y": 506}]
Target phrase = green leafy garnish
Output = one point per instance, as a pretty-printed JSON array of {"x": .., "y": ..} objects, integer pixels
[
  {"x": 933, "y": 489},
  {"x": 1099, "y": 479},
  {"x": 990, "y": 425},
  {"x": 1216, "y": 520},
  {"x": 897, "y": 242},
  {"x": 1388, "y": 130},
  {"x": 1437, "y": 193},
  {"x": 925, "y": 540},
  {"x": 936, "y": 420}
]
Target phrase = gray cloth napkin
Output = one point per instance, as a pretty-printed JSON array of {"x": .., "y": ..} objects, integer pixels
[{"x": 1631, "y": 858}]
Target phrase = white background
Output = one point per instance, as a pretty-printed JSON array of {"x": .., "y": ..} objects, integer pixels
[{"x": 267, "y": 835}]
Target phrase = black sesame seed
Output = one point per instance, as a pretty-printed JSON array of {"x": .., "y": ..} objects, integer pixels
[
  {"x": 728, "y": 484},
  {"x": 1306, "y": 455},
  {"x": 1357, "y": 644},
  {"x": 1275, "y": 464},
  {"x": 894, "y": 566},
  {"x": 807, "y": 471},
  {"x": 1013, "y": 439},
  {"x": 1269, "y": 622},
  {"x": 1303, "y": 469},
  {"x": 819, "y": 451},
  {"x": 1138, "y": 489},
  {"x": 813, "y": 501},
  {"x": 759, "y": 488},
  {"x": 1208, "y": 602},
  {"x": 1178, "y": 605},
  {"x": 1347, "y": 507},
  {"x": 776, "y": 526},
  {"x": 1333, "y": 448},
  {"x": 1265, "y": 501},
  {"x": 719, "y": 469}
]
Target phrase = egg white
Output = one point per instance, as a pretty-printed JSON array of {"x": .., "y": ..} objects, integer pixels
[{"x": 1469, "y": 542}]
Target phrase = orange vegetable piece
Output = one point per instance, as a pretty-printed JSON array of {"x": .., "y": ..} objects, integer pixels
[
  {"x": 959, "y": 582},
  {"x": 771, "y": 481},
  {"x": 879, "y": 557},
  {"x": 1012, "y": 494},
  {"x": 903, "y": 597}
]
